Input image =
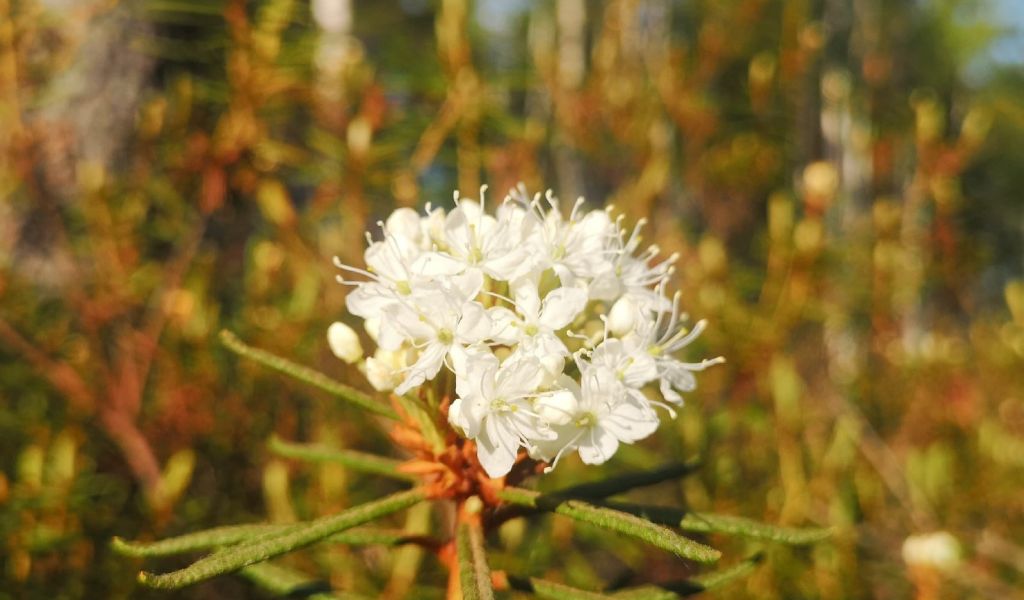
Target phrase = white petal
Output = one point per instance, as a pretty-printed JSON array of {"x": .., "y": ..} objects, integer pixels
[
  {"x": 435, "y": 264},
  {"x": 458, "y": 418},
  {"x": 368, "y": 300},
  {"x": 405, "y": 223},
  {"x": 605, "y": 287},
  {"x": 504, "y": 328},
  {"x": 641, "y": 370},
  {"x": 425, "y": 368},
  {"x": 527, "y": 299},
  {"x": 496, "y": 449},
  {"x": 402, "y": 319},
  {"x": 467, "y": 284},
  {"x": 597, "y": 446},
  {"x": 475, "y": 324},
  {"x": 390, "y": 259},
  {"x": 519, "y": 376},
  {"x": 561, "y": 306},
  {"x": 630, "y": 423}
]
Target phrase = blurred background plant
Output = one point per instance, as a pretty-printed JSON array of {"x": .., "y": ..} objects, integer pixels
[{"x": 841, "y": 179}]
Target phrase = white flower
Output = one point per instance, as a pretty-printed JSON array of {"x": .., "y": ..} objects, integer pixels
[
  {"x": 394, "y": 267},
  {"x": 605, "y": 414},
  {"x": 939, "y": 550},
  {"x": 673, "y": 373},
  {"x": 344, "y": 342},
  {"x": 633, "y": 276},
  {"x": 440, "y": 322},
  {"x": 630, "y": 365},
  {"x": 535, "y": 323},
  {"x": 494, "y": 408},
  {"x": 493, "y": 245},
  {"x": 493, "y": 297},
  {"x": 574, "y": 248}
]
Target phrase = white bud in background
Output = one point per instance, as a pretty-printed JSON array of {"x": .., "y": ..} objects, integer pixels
[
  {"x": 333, "y": 16},
  {"x": 622, "y": 316},
  {"x": 384, "y": 370},
  {"x": 557, "y": 408},
  {"x": 938, "y": 550},
  {"x": 344, "y": 342}
]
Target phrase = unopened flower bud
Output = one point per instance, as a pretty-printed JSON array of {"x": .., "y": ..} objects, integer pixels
[
  {"x": 939, "y": 550},
  {"x": 622, "y": 316},
  {"x": 557, "y": 408},
  {"x": 344, "y": 342}
]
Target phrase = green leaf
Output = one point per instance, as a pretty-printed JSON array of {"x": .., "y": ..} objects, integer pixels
[
  {"x": 357, "y": 461},
  {"x": 550, "y": 590},
  {"x": 748, "y": 528},
  {"x": 715, "y": 579},
  {"x": 235, "y": 534},
  {"x": 648, "y": 592},
  {"x": 615, "y": 520},
  {"x": 282, "y": 581},
  {"x": 700, "y": 522},
  {"x": 192, "y": 542},
  {"x": 274, "y": 544},
  {"x": 474, "y": 575},
  {"x": 628, "y": 481},
  {"x": 693, "y": 585},
  {"x": 303, "y": 373}
]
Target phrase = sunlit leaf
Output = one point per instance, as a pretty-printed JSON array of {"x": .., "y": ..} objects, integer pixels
[
  {"x": 623, "y": 483},
  {"x": 693, "y": 585},
  {"x": 235, "y": 534},
  {"x": 357, "y": 461},
  {"x": 549, "y": 590},
  {"x": 303, "y": 373},
  {"x": 615, "y": 520},
  {"x": 274, "y": 544},
  {"x": 290, "y": 583},
  {"x": 748, "y": 528},
  {"x": 702, "y": 522}
]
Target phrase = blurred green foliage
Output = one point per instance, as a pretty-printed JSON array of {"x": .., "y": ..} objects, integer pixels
[{"x": 840, "y": 178}]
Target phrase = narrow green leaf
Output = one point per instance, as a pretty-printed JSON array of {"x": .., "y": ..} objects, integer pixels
[
  {"x": 235, "y": 534},
  {"x": 628, "y": 481},
  {"x": 646, "y": 592},
  {"x": 303, "y": 373},
  {"x": 700, "y": 522},
  {"x": 719, "y": 578},
  {"x": 192, "y": 542},
  {"x": 693, "y": 585},
  {"x": 615, "y": 520},
  {"x": 748, "y": 528},
  {"x": 189, "y": 8},
  {"x": 274, "y": 544},
  {"x": 357, "y": 461},
  {"x": 549, "y": 590},
  {"x": 282, "y": 581},
  {"x": 474, "y": 574}
]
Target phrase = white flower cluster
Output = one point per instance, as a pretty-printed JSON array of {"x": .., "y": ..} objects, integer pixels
[{"x": 553, "y": 326}]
